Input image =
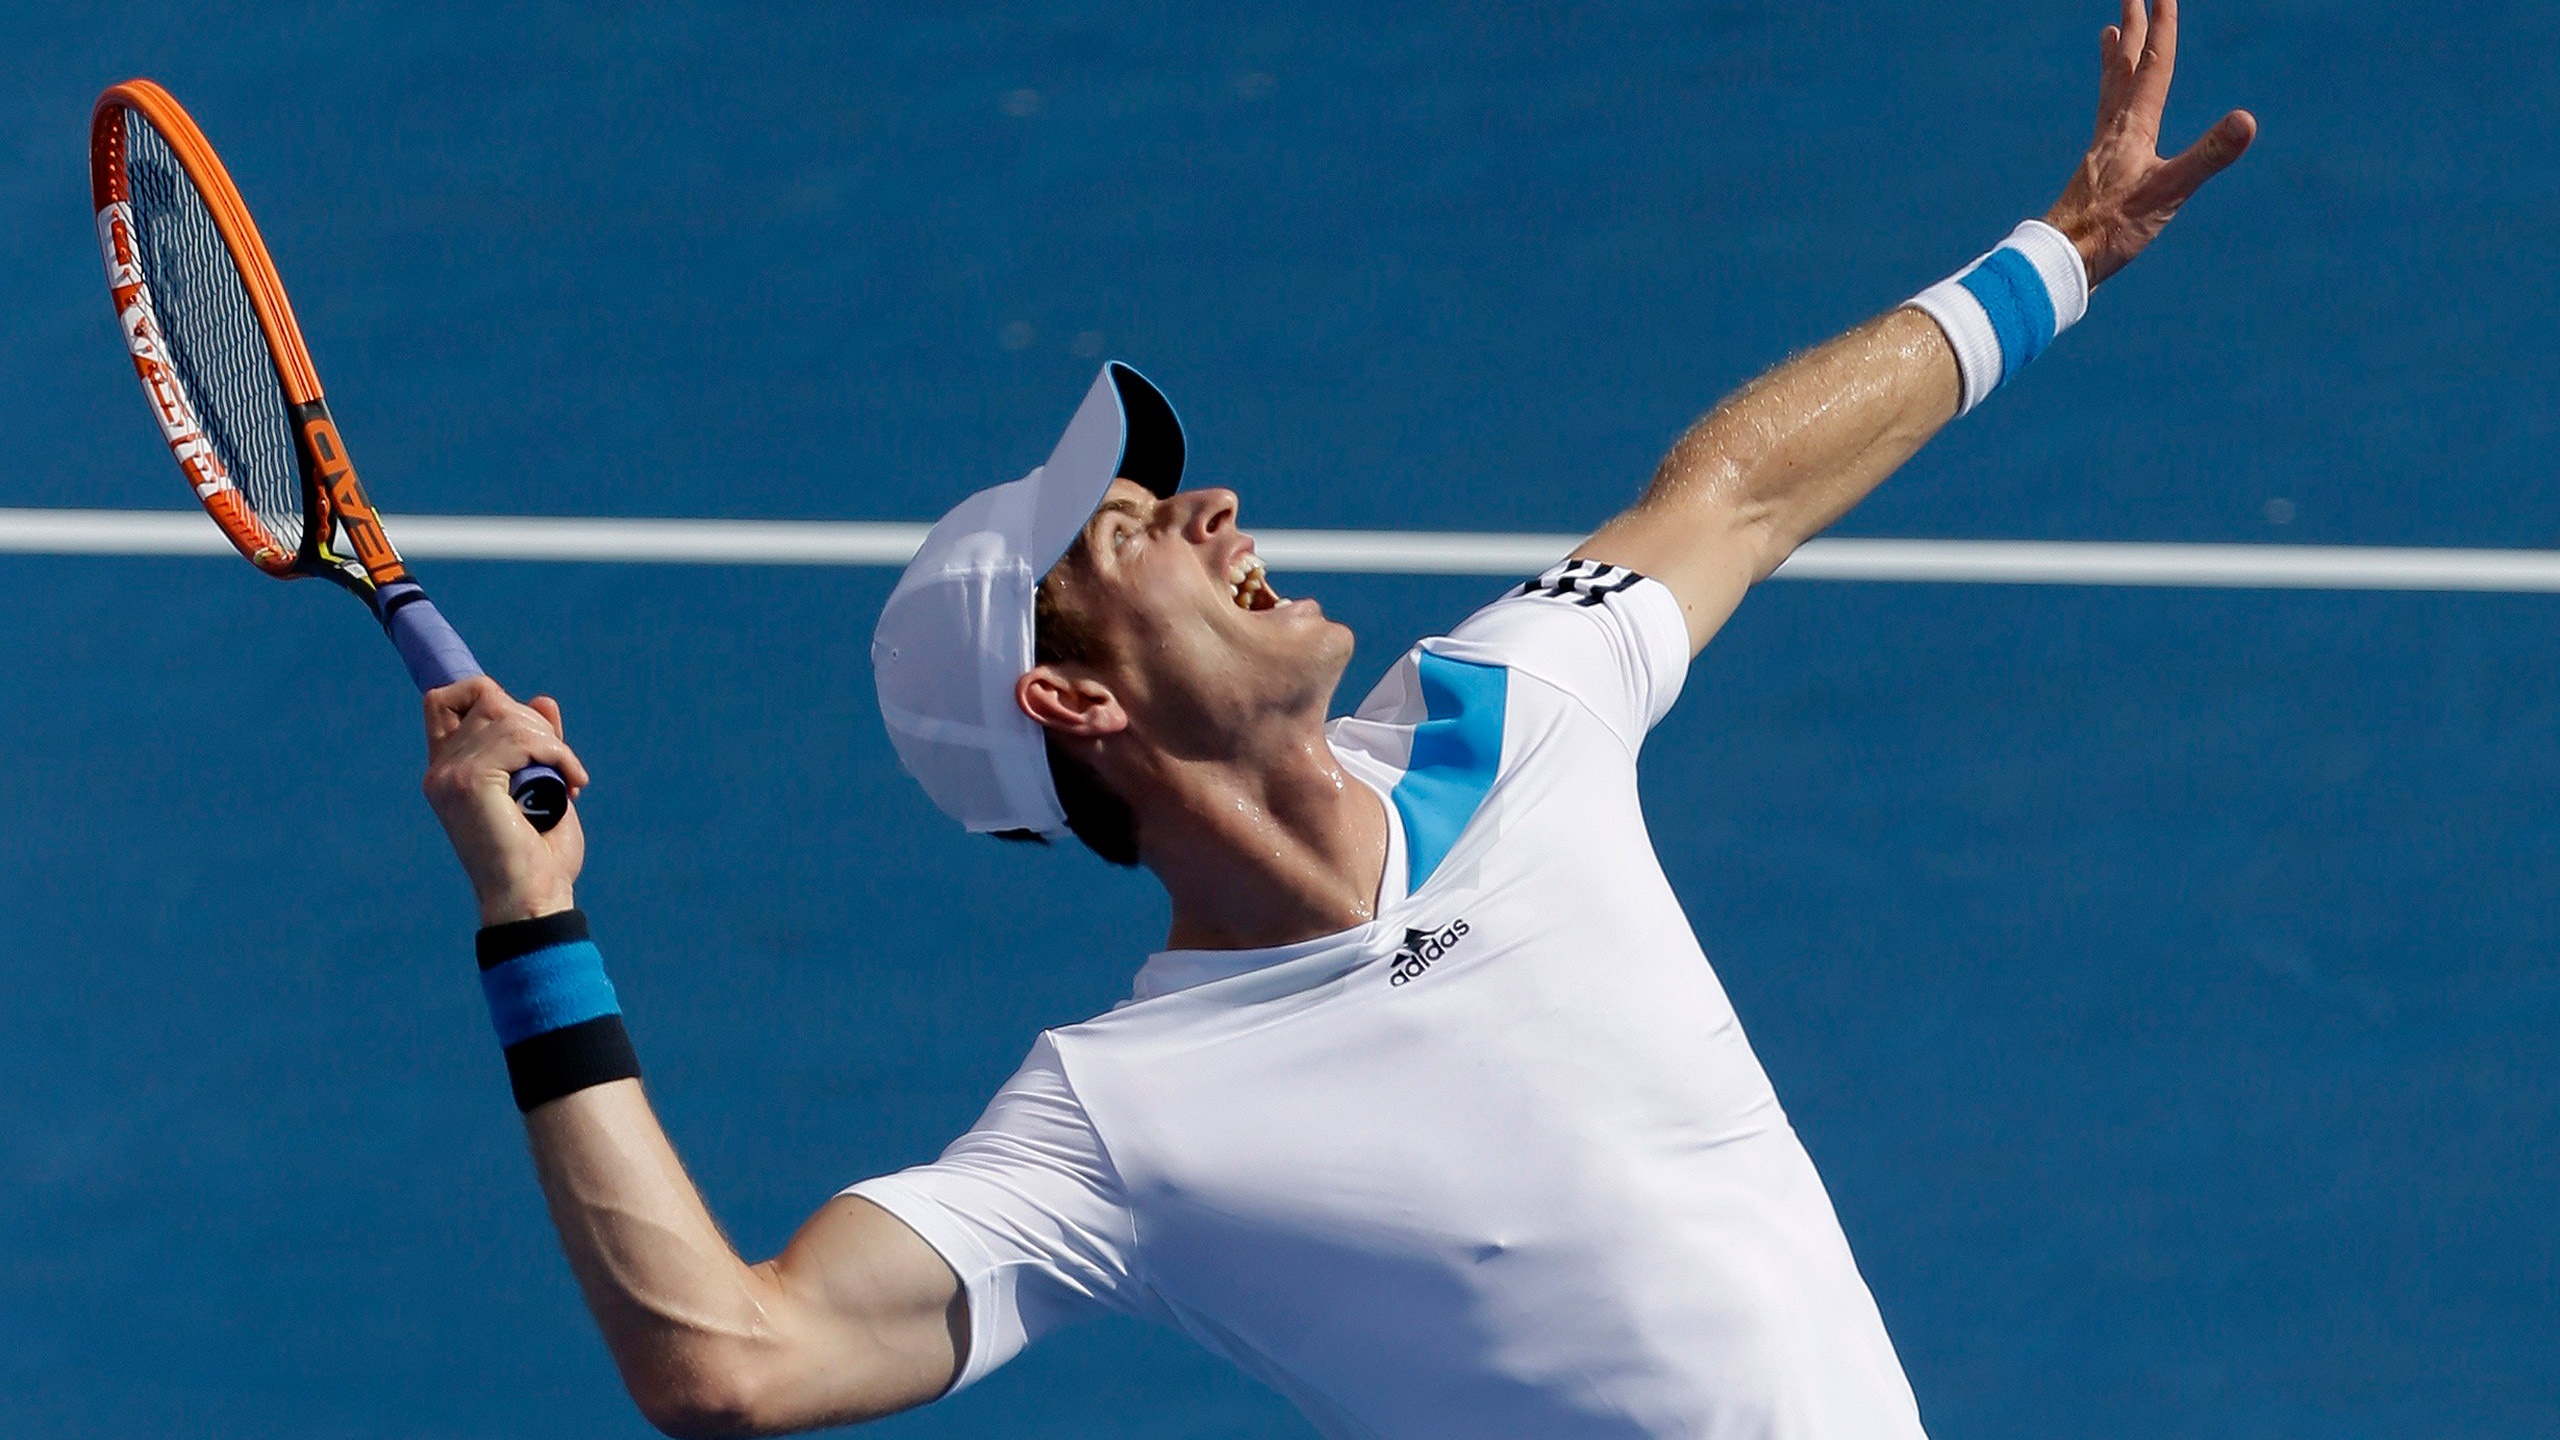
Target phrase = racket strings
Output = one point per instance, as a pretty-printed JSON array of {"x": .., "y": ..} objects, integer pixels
[{"x": 212, "y": 333}]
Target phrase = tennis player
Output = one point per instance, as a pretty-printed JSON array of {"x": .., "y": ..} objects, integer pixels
[{"x": 1430, "y": 1113}]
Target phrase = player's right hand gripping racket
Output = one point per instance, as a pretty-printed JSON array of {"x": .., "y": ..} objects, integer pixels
[{"x": 233, "y": 389}]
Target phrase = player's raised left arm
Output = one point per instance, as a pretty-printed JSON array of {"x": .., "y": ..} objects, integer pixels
[{"x": 1790, "y": 452}]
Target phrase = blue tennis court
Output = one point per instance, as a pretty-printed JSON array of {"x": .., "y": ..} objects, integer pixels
[{"x": 2162, "y": 979}]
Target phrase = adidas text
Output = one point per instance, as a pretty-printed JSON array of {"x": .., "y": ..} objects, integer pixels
[{"x": 1422, "y": 949}]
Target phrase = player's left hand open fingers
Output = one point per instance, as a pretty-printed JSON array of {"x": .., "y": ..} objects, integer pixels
[
  {"x": 2156, "y": 63},
  {"x": 2124, "y": 39},
  {"x": 2212, "y": 154},
  {"x": 2113, "y": 74}
]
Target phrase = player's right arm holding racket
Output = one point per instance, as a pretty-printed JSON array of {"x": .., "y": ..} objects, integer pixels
[{"x": 857, "y": 1318}]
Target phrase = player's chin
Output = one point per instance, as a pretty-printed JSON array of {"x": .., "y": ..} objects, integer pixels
[{"x": 1330, "y": 637}]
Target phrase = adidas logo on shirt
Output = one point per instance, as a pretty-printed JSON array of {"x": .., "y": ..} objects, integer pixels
[
  {"x": 1583, "y": 582},
  {"x": 1422, "y": 949}
]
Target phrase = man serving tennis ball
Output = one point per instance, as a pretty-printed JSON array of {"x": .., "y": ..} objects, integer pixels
[{"x": 1431, "y": 1113}]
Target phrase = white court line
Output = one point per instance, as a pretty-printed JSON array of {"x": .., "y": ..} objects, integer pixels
[{"x": 1379, "y": 552}]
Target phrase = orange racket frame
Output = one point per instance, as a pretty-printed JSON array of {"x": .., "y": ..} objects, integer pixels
[{"x": 333, "y": 500}]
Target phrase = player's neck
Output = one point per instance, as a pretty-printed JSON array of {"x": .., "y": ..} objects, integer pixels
[{"x": 1270, "y": 847}]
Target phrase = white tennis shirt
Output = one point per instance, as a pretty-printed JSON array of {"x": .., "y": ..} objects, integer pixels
[{"x": 1498, "y": 1163}]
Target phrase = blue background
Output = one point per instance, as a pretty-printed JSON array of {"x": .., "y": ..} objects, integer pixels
[{"x": 2163, "y": 980}]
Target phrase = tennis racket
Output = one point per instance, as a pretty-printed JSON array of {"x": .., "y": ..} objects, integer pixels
[{"x": 224, "y": 368}]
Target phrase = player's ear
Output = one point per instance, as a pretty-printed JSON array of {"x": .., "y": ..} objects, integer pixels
[{"x": 1069, "y": 704}]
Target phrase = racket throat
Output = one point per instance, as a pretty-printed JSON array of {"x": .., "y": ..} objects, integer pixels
[{"x": 335, "y": 502}]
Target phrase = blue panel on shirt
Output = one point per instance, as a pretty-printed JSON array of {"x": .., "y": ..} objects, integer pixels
[{"x": 1457, "y": 751}]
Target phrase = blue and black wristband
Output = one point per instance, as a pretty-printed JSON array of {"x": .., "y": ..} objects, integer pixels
[{"x": 553, "y": 1008}]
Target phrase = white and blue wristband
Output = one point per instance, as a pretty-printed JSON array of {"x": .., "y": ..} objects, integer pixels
[
  {"x": 554, "y": 1011},
  {"x": 2002, "y": 310}
]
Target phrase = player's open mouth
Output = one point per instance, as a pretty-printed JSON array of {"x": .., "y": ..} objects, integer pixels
[{"x": 1251, "y": 589}]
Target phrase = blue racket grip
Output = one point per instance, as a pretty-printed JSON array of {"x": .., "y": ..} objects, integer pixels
[{"x": 436, "y": 656}]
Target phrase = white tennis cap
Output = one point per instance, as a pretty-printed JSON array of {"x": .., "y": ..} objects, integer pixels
[{"x": 956, "y": 633}]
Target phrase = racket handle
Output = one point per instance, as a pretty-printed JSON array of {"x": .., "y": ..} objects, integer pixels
[
  {"x": 427, "y": 643},
  {"x": 436, "y": 656}
]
